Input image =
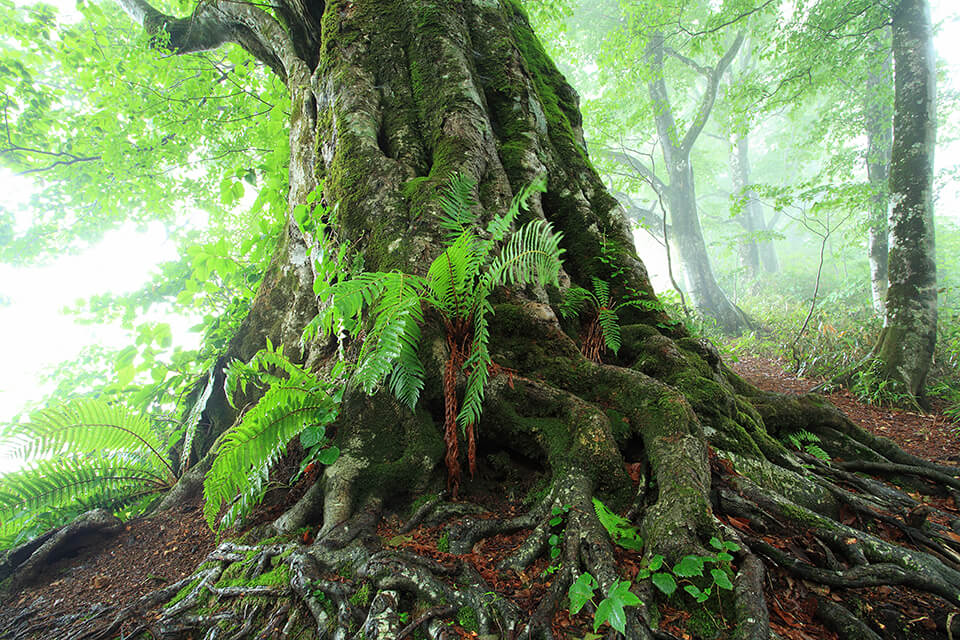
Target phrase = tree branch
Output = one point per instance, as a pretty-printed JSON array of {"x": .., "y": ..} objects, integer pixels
[
  {"x": 646, "y": 216},
  {"x": 710, "y": 95},
  {"x": 624, "y": 157},
  {"x": 216, "y": 22},
  {"x": 690, "y": 62}
]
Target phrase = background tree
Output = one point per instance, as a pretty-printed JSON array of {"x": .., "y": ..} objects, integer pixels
[{"x": 906, "y": 344}]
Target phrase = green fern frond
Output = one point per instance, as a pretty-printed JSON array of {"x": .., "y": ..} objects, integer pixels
[
  {"x": 406, "y": 379},
  {"x": 96, "y": 478},
  {"x": 574, "y": 300},
  {"x": 451, "y": 277},
  {"x": 620, "y": 529},
  {"x": 83, "y": 426},
  {"x": 610, "y": 324},
  {"x": 395, "y": 313},
  {"x": 478, "y": 364},
  {"x": 246, "y": 452},
  {"x": 531, "y": 254},
  {"x": 457, "y": 206},
  {"x": 500, "y": 225},
  {"x": 602, "y": 289}
]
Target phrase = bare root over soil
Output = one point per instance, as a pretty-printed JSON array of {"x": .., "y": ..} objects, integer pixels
[{"x": 667, "y": 435}]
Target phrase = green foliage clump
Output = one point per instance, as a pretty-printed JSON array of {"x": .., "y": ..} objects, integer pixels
[
  {"x": 77, "y": 456},
  {"x": 295, "y": 402},
  {"x": 803, "y": 440},
  {"x": 611, "y": 608}
]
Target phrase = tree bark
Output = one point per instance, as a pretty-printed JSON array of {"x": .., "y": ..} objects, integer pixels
[
  {"x": 906, "y": 345},
  {"x": 878, "y": 122}
]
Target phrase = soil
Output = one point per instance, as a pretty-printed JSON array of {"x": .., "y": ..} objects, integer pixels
[{"x": 154, "y": 551}]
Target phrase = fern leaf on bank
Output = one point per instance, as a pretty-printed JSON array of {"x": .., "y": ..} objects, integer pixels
[
  {"x": 84, "y": 426},
  {"x": 574, "y": 300},
  {"x": 92, "y": 479},
  {"x": 610, "y": 323}
]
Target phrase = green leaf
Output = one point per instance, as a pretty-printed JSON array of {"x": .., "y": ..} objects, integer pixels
[
  {"x": 312, "y": 435},
  {"x": 721, "y": 578},
  {"x": 581, "y": 592},
  {"x": 611, "y": 612},
  {"x": 328, "y": 455},
  {"x": 664, "y": 582},
  {"x": 693, "y": 590},
  {"x": 688, "y": 567}
]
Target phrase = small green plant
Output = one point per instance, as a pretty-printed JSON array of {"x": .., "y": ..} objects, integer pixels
[
  {"x": 621, "y": 531},
  {"x": 665, "y": 579},
  {"x": 603, "y": 327},
  {"x": 443, "y": 543},
  {"x": 610, "y": 609},
  {"x": 557, "y": 517},
  {"x": 803, "y": 440},
  {"x": 872, "y": 387},
  {"x": 77, "y": 456},
  {"x": 457, "y": 288},
  {"x": 295, "y": 402}
]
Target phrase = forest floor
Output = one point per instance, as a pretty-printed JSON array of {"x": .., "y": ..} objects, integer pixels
[{"x": 156, "y": 551}]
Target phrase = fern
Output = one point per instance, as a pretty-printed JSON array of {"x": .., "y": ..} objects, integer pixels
[
  {"x": 621, "y": 531},
  {"x": 293, "y": 401},
  {"x": 76, "y": 456},
  {"x": 457, "y": 287},
  {"x": 803, "y": 440},
  {"x": 603, "y": 327}
]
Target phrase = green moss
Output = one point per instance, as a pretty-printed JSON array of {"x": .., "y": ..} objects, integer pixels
[
  {"x": 443, "y": 543},
  {"x": 619, "y": 425},
  {"x": 361, "y": 597},
  {"x": 467, "y": 618},
  {"x": 702, "y": 624},
  {"x": 183, "y": 593},
  {"x": 277, "y": 576}
]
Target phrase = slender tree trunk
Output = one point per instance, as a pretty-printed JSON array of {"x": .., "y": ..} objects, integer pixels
[
  {"x": 686, "y": 234},
  {"x": 748, "y": 247},
  {"x": 906, "y": 344},
  {"x": 878, "y": 122}
]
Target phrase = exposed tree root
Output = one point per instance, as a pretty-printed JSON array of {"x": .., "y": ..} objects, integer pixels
[{"x": 704, "y": 461}]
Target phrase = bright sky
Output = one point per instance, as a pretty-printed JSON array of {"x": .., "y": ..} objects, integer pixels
[{"x": 36, "y": 335}]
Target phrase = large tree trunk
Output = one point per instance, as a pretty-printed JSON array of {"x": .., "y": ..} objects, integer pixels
[
  {"x": 878, "y": 122},
  {"x": 906, "y": 344},
  {"x": 389, "y": 99}
]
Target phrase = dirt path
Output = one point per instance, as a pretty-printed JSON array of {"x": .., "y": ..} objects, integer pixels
[{"x": 931, "y": 436}]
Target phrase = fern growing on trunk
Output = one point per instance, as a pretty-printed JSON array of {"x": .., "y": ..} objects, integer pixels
[
  {"x": 603, "y": 326},
  {"x": 295, "y": 403},
  {"x": 457, "y": 288},
  {"x": 78, "y": 456}
]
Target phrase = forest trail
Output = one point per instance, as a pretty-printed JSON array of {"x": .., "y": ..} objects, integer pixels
[
  {"x": 158, "y": 551},
  {"x": 927, "y": 435}
]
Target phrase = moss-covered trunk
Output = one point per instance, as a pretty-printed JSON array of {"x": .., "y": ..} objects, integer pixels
[{"x": 905, "y": 348}]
